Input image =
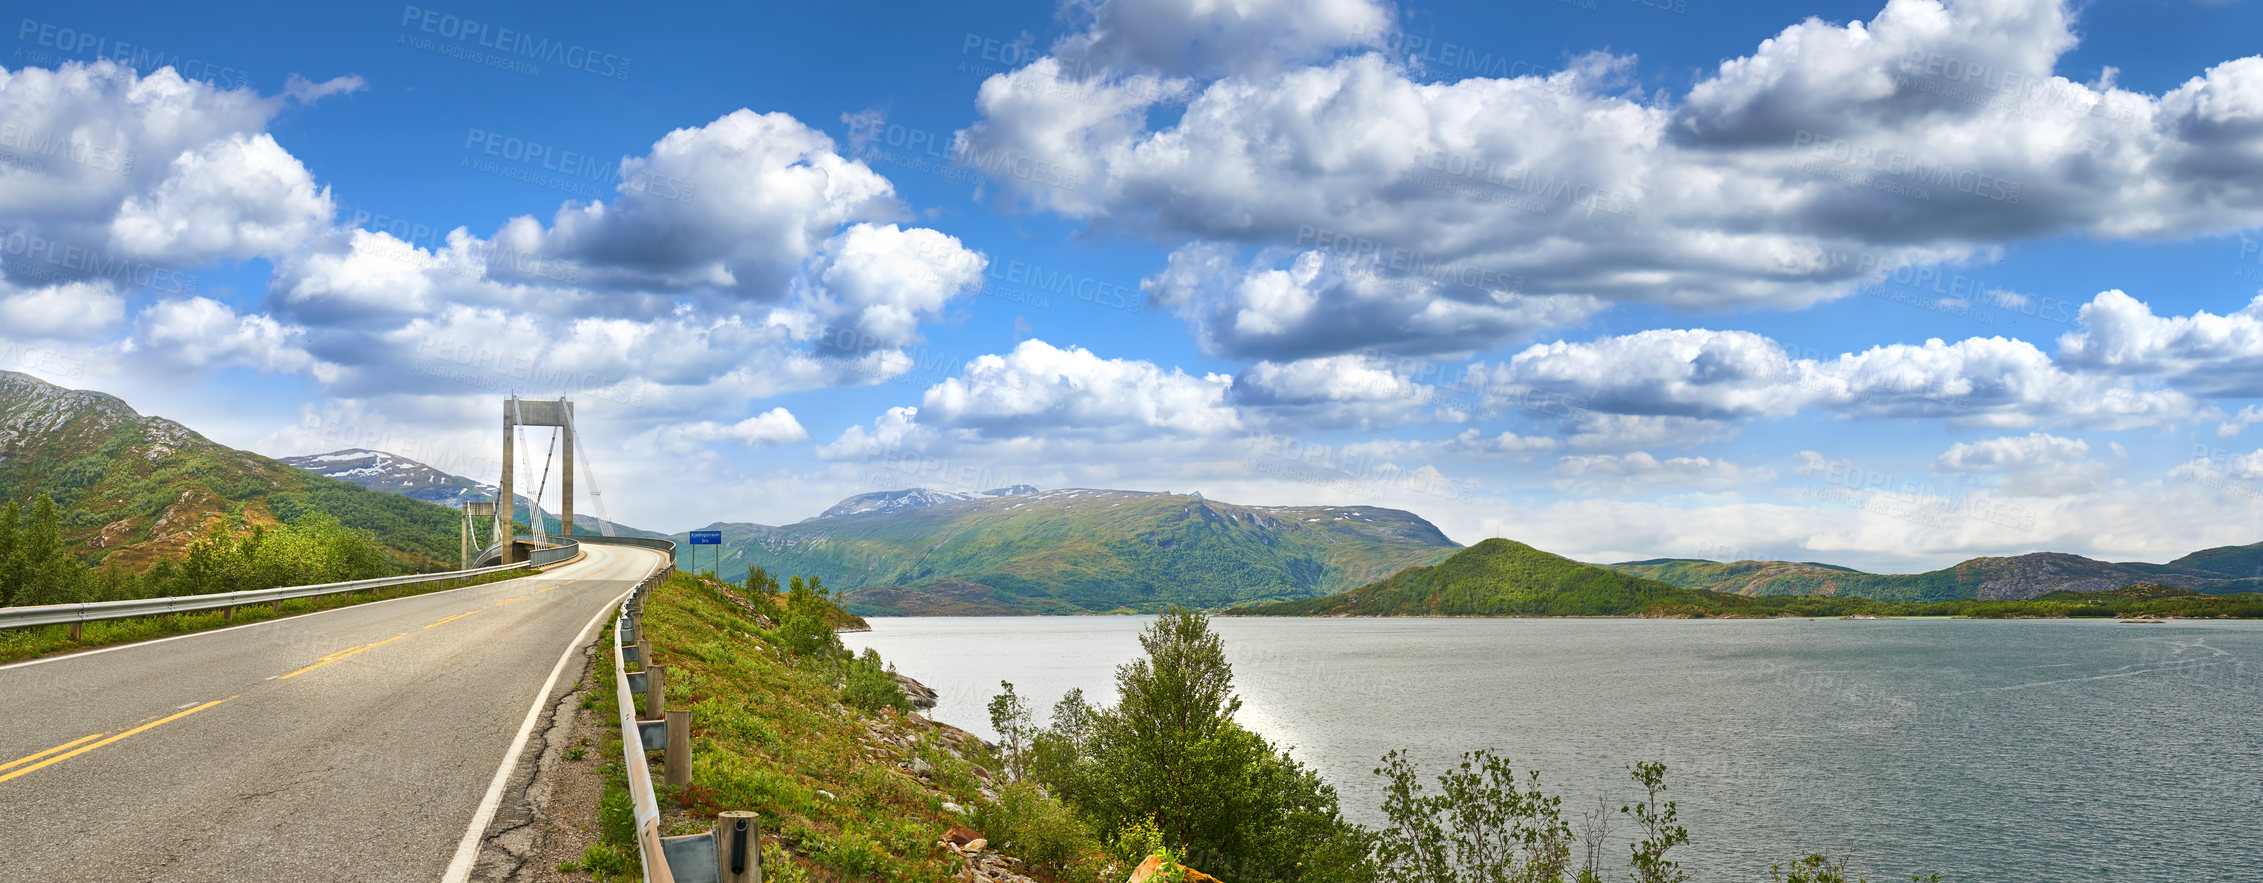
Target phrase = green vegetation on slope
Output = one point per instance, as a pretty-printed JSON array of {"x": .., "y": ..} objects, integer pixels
[
  {"x": 36, "y": 568},
  {"x": 137, "y": 490},
  {"x": 2236, "y": 562},
  {"x": 2226, "y": 570},
  {"x": 849, "y": 784},
  {"x": 1497, "y": 577},
  {"x": 1504, "y": 578},
  {"x": 1081, "y": 551}
]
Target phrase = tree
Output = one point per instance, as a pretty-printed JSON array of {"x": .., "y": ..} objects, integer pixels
[
  {"x": 39, "y": 570},
  {"x": 1659, "y": 830},
  {"x": 1480, "y": 826},
  {"x": 1009, "y": 716},
  {"x": 1170, "y": 754},
  {"x": 10, "y": 579},
  {"x": 802, "y": 628}
]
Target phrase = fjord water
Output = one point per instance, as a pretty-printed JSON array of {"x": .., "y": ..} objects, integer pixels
[{"x": 2027, "y": 751}]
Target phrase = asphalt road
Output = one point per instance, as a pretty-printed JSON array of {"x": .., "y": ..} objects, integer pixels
[{"x": 352, "y": 744}]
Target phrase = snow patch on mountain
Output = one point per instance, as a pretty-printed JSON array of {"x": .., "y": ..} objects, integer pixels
[{"x": 884, "y": 502}]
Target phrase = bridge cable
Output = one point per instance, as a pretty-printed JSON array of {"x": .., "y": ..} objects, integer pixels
[
  {"x": 526, "y": 470},
  {"x": 589, "y": 476},
  {"x": 549, "y": 455}
]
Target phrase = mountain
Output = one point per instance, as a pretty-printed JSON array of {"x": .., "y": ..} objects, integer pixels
[
  {"x": 1497, "y": 577},
  {"x": 394, "y": 474},
  {"x": 1083, "y": 551},
  {"x": 134, "y": 489},
  {"x": 885, "y": 502},
  {"x": 2226, "y": 570}
]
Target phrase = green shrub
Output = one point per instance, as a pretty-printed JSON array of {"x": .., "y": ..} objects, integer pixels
[
  {"x": 1041, "y": 831},
  {"x": 870, "y": 685}
]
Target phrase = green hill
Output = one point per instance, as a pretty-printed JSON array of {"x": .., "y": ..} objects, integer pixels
[
  {"x": 1498, "y": 578},
  {"x": 2225, "y": 570},
  {"x": 135, "y": 490},
  {"x": 1086, "y": 551},
  {"x": 2235, "y": 562}
]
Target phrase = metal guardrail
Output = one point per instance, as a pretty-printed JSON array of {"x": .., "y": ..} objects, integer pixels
[
  {"x": 538, "y": 556},
  {"x": 562, "y": 549},
  {"x": 711, "y": 857},
  {"x": 96, "y": 611}
]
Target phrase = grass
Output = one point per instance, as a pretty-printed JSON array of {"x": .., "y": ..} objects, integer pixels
[
  {"x": 833, "y": 785},
  {"x": 21, "y": 644}
]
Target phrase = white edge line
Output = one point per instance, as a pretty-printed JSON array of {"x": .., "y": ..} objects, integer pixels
[
  {"x": 467, "y": 851},
  {"x": 153, "y": 641}
]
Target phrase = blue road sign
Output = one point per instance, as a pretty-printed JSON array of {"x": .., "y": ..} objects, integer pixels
[{"x": 706, "y": 538}]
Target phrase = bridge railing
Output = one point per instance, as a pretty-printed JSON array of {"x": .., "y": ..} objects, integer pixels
[
  {"x": 717, "y": 856},
  {"x": 76, "y": 615}
]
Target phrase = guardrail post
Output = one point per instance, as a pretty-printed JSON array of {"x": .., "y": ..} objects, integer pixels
[
  {"x": 655, "y": 677},
  {"x": 678, "y": 758},
  {"x": 738, "y": 847},
  {"x": 227, "y": 614},
  {"x": 75, "y": 629}
]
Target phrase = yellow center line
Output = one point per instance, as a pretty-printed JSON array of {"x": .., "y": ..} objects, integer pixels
[
  {"x": 507, "y": 601},
  {"x": 340, "y": 655},
  {"x": 452, "y": 618},
  {"x": 49, "y": 751},
  {"x": 59, "y": 758}
]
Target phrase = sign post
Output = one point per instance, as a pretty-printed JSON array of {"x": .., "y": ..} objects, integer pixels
[{"x": 708, "y": 538}]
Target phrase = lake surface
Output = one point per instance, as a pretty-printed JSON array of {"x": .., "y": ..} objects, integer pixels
[{"x": 2031, "y": 751}]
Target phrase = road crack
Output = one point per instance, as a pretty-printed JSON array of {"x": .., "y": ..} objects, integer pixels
[{"x": 526, "y": 818}]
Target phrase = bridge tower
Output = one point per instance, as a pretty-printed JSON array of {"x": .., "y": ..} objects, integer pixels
[{"x": 519, "y": 412}]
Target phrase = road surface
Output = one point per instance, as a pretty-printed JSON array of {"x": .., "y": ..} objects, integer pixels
[{"x": 352, "y": 744}]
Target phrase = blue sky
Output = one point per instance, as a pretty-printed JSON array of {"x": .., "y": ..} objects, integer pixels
[{"x": 1881, "y": 284}]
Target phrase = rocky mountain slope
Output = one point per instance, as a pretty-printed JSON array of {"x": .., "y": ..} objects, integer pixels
[{"x": 134, "y": 489}]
